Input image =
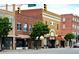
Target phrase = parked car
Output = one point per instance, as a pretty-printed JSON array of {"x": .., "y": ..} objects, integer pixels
[{"x": 76, "y": 45}]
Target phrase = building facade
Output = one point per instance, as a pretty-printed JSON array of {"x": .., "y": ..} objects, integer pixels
[
  {"x": 69, "y": 24},
  {"x": 25, "y": 19},
  {"x": 53, "y": 22}
]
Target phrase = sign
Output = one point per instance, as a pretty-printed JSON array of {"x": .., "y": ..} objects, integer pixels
[{"x": 31, "y": 5}]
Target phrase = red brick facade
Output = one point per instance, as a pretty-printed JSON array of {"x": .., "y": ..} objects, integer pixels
[
  {"x": 29, "y": 17},
  {"x": 70, "y": 23}
]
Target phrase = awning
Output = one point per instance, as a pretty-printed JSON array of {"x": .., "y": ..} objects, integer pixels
[
  {"x": 52, "y": 38},
  {"x": 22, "y": 36},
  {"x": 60, "y": 38}
]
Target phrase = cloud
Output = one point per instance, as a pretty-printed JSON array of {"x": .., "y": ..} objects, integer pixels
[
  {"x": 76, "y": 11},
  {"x": 65, "y": 9}
]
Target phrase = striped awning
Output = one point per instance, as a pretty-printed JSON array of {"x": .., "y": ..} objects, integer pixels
[{"x": 59, "y": 38}]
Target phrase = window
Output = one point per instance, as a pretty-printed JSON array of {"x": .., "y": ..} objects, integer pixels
[
  {"x": 74, "y": 33},
  {"x": 25, "y": 29},
  {"x": 74, "y": 19},
  {"x": 51, "y": 23},
  {"x": 74, "y": 26},
  {"x": 63, "y": 26},
  {"x": 46, "y": 22},
  {"x": 63, "y": 20},
  {"x": 19, "y": 27},
  {"x": 57, "y": 26},
  {"x": 78, "y": 27},
  {"x": 30, "y": 27}
]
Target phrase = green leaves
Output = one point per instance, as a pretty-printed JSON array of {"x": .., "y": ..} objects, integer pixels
[
  {"x": 69, "y": 36},
  {"x": 5, "y": 26},
  {"x": 39, "y": 29}
]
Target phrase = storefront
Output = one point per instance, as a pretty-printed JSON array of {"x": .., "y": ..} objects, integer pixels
[
  {"x": 22, "y": 42},
  {"x": 7, "y": 43},
  {"x": 60, "y": 41},
  {"x": 51, "y": 42}
]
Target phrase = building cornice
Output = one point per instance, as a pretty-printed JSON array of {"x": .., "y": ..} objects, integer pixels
[
  {"x": 51, "y": 13},
  {"x": 51, "y": 17},
  {"x": 6, "y": 12}
]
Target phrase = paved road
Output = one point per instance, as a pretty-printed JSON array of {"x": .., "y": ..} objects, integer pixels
[{"x": 43, "y": 51}]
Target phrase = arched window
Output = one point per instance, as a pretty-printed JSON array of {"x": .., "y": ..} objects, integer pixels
[{"x": 25, "y": 28}]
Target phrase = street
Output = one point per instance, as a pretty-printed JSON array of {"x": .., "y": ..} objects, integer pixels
[{"x": 43, "y": 51}]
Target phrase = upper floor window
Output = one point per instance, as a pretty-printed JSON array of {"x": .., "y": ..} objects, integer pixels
[
  {"x": 51, "y": 23},
  {"x": 30, "y": 27},
  {"x": 19, "y": 27},
  {"x": 74, "y": 19},
  {"x": 74, "y": 26},
  {"x": 63, "y": 20},
  {"x": 77, "y": 27},
  {"x": 25, "y": 28},
  {"x": 57, "y": 26},
  {"x": 64, "y": 26}
]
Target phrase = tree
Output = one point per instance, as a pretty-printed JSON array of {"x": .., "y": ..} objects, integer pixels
[
  {"x": 5, "y": 27},
  {"x": 77, "y": 37},
  {"x": 38, "y": 30},
  {"x": 68, "y": 37}
]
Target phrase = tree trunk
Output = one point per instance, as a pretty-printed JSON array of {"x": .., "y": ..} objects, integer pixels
[{"x": 70, "y": 43}]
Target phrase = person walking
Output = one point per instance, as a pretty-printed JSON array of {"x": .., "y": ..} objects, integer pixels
[{"x": 36, "y": 43}]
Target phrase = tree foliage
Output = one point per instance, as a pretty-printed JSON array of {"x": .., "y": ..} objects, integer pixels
[
  {"x": 39, "y": 29},
  {"x": 69, "y": 36},
  {"x": 5, "y": 26},
  {"x": 77, "y": 37}
]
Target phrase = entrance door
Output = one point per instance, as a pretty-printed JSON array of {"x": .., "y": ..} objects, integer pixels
[
  {"x": 20, "y": 43},
  {"x": 7, "y": 43}
]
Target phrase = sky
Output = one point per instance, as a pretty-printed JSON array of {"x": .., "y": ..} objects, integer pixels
[
  {"x": 55, "y": 8},
  {"x": 60, "y": 8}
]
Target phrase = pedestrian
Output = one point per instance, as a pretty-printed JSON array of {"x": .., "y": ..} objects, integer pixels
[
  {"x": 36, "y": 42},
  {"x": 42, "y": 41}
]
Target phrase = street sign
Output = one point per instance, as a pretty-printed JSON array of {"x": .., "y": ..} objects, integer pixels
[{"x": 31, "y": 5}]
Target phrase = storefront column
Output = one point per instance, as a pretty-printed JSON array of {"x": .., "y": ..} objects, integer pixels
[
  {"x": 11, "y": 43},
  {"x": 14, "y": 43}
]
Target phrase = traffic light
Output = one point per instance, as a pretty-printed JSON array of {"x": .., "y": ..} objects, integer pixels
[
  {"x": 19, "y": 10},
  {"x": 45, "y": 7}
]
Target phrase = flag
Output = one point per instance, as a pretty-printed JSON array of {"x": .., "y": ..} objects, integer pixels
[{"x": 31, "y": 5}]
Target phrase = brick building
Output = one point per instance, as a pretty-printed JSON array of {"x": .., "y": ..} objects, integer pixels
[
  {"x": 25, "y": 19},
  {"x": 69, "y": 24}
]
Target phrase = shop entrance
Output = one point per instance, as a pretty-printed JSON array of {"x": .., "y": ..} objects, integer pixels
[
  {"x": 7, "y": 43},
  {"x": 21, "y": 43}
]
